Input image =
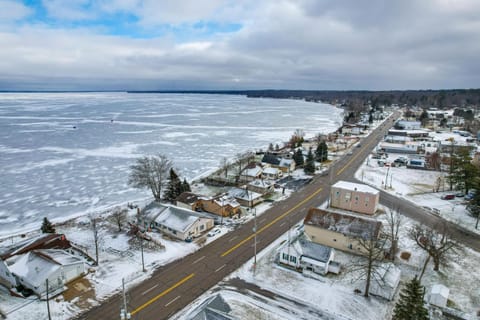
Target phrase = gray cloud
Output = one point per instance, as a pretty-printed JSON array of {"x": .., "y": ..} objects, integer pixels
[{"x": 305, "y": 44}]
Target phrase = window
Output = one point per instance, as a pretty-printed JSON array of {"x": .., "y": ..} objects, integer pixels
[
  {"x": 350, "y": 246},
  {"x": 202, "y": 227},
  {"x": 334, "y": 240},
  {"x": 337, "y": 194},
  {"x": 348, "y": 196},
  {"x": 293, "y": 259},
  {"x": 285, "y": 256}
]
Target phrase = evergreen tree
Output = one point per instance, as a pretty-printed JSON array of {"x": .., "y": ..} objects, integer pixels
[
  {"x": 310, "y": 163},
  {"x": 174, "y": 187},
  {"x": 321, "y": 153},
  {"x": 186, "y": 186},
  {"x": 410, "y": 306},
  {"x": 47, "y": 226},
  {"x": 424, "y": 118},
  {"x": 298, "y": 157}
]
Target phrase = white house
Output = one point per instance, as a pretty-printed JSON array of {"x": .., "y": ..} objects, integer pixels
[
  {"x": 34, "y": 268},
  {"x": 177, "y": 222},
  {"x": 439, "y": 295},
  {"x": 305, "y": 255},
  {"x": 271, "y": 173}
]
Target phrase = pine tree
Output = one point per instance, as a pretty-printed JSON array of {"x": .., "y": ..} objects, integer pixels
[
  {"x": 321, "y": 153},
  {"x": 298, "y": 158},
  {"x": 47, "y": 226},
  {"x": 310, "y": 163},
  {"x": 186, "y": 186},
  {"x": 410, "y": 306},
  {"x": 174, "y": 187}
]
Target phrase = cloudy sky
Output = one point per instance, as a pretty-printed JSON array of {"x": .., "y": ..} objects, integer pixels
[{"x": 239, "y": 44}]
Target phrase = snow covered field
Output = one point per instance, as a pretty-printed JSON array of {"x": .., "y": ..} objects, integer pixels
[{"x": 66, "y": 154}]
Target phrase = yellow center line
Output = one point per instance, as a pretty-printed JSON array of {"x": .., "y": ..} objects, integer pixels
[
  {"x": 270, "y": 223},
  {"x": 353, "y": 158},
  {"x": 149, "y": 302}
]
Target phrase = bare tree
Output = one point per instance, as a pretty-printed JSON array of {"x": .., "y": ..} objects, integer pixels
[
  {"x": 224, "y": 164},
  {"x": 370, "y": 265},
  {"x": 95, "y": 227},
  {"x": 435, "y": 242},
  {"x": 150, "y": 172},
  {"x": 119, "y": 215},
  {"x": 394, "y": 221},
  {"x": 242, "y": 160}
]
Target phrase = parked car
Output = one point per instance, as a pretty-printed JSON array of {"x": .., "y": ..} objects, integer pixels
[
  {"x": 447, "y": 197},
  {"x": 214, "y": 232},
  {"x": 459, "y": 194},
  {"x": 401, "y": 161}
]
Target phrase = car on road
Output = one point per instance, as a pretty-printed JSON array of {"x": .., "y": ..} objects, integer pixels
[
  {"x": 213, "y": 232},
  {"x": 447, "y": 197}
]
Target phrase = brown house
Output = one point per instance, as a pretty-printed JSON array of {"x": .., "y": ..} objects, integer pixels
[
  {"x": 354, "y": 197},
  {"x": 222, "y": 205},
  {"x": 340, "y": 231},
  {"x": 188, "y": 200}
]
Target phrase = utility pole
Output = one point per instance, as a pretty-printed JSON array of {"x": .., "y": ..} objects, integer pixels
[
  {"x": 255, "y": 240},
  {"x": 48, "y": 304},
  {"x": 141, "y": 249}
]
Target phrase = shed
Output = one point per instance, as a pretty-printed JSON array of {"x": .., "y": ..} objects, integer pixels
[{"x": 439, "y": 295}]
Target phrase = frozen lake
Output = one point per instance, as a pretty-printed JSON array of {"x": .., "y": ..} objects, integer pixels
[{"x": 64, "y": 154}]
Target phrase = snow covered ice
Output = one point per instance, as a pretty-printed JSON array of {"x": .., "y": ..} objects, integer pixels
[{"x": 65, "y": 154}]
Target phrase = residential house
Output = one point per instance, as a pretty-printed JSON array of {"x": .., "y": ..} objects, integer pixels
[
  {"x": 304, "y": 255},
  {"x": 33, "y": 269},
  {"x": 261, "y": 186},
  {"x": 354, "y": 197},
  {"x": 188, "y": 200},
  {"x": 222, "y": 205},
  {"x": 174, "y": 221},
  {"x": 272, "y": 173},
  {"x": 283, "y": 164},
  {"x": 245, "y": 197},
  {"x": 339, "y": 230},
  {"x": 252, "y": 172}
]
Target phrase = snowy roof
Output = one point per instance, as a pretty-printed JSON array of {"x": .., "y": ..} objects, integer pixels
[
  {"x": 271, "y": 170},
  {"x": 173, "y": 217},
  {"x": 313, "y": 250},
  {"x": 355, "y": 187},
  {"x": 35, "y": 266},
  {"x": 261, "y": 183},
  {"x": 270, "y": 158},
  {"x": 440, "y": 289},
  {"x": 252, "y": 172},
  {"x": 285, "y": 162},
  {"x": 214, "y": 308},
  {"x": 227, "y": 200},
  {"x": 244, "y": 194},
  {"x": 349, "y": 225},
  {"x": 188, "y": 197}
]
